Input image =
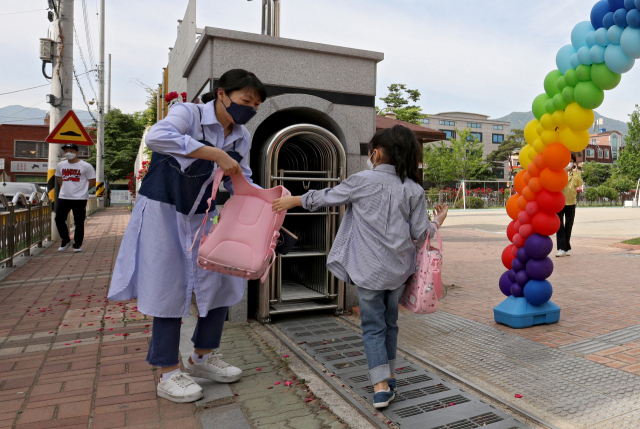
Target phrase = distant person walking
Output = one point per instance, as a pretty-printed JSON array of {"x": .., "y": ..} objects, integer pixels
[
  {"x": 568, "y": 213},
  {"x": 75, "y": 177}
]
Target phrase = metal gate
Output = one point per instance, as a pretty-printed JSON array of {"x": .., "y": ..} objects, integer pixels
[{"x": 302, "y": 157}]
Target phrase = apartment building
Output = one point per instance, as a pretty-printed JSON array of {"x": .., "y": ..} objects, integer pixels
[{"x": 604, "y": 147}]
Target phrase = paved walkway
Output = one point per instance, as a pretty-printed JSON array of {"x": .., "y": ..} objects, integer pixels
[{"x": 70, "y": 359}]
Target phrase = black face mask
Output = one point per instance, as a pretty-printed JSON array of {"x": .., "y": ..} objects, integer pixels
[{"x": 240, "y": 114}]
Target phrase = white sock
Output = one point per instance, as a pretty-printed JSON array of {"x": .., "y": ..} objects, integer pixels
[
  {"x": 196, "y": 358},
  {"x": 167, "y": 375}
]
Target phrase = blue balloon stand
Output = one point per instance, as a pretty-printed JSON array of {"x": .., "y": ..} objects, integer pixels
[{"x": 517, "y": 313}]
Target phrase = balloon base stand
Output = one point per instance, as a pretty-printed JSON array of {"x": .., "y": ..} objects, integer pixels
[{"x": 517, "y": 313}]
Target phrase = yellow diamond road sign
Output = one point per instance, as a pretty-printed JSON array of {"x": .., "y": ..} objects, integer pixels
[{"x": 70, "y": 130}]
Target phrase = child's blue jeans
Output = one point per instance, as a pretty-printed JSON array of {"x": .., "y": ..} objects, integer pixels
[
  {"x": 164, "y": 348},
  {"x": 379, "y": 320}
]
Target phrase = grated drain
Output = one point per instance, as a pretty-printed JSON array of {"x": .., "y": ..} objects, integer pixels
[
  {"x": 405, "y": 370},
  {"x": 416, "y": 393},
  {"x": 350, "y": 364},
  {"x": 474, "y": 422},
  {"x": 414, "y": 380},
  {"x": 359, "y": 378},
  {"x": 430, "y": 406}
]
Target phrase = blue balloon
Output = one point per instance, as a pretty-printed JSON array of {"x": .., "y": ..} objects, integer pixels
[
  {"x": 616, "y": 4},
  {"x": 522, "y": 278},
  {"x": 505, "y": 283},
  {"x": 614, "y": 33},
  {"x": 601, "y": 37},
  {"x": 575, "y": 62},
  {"x": 617, "y": 60},
  {"x": 597, "y": 54},
  {"x": 637, "y": 3},
  {"x": 563, "y": 58},
  {"x": 584, "y": 57},
  {"x": 629, "y": 4},
  {"x": 608, "y": 20},
  {"x": 591, "y": 38},
  {"x": 599, "y": 11},
  {"x": 633, "y": 18},
  {"x": 517, "y": 290},
  {"x": 620, "y": 17},
  {"x": 537, "y": 292},
  {"x": 579, "y": 34},
  {"x": 630, "y": 42}
]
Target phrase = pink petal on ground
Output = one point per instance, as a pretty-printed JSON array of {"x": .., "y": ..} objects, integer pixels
[
  {"x": 78, "y": 341},
  {"x": 518, "y": 395},
  {"x": 276, "y": 383},
  {"x": 146, "y": 332},
  {"x": 110, "y": 329},
  {"x": 259, "y": 369},
  {"x": 124, "y": 335},
  {"x": 308, "y": 400},
  {"x": 285, "y": 356},
  {"x": 288, "y": 383},
  {"x": 117, "y": 335},
  {"x": 67, "y": 344}
]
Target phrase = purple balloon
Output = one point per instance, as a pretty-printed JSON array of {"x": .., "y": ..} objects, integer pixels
[
  {"x": 538, "y": 246},
  {"x": 505, "y": 283},
  {"x": 522, "y": 278},
  {"x": 516, "y": 265},
  {"x": 539, "y": 269},
  {"x": 512, "y": 276},
  {"x": 598, "y": 12},
  {"x": 522, "y": 255},
  {"x": 517, "y": 290}
]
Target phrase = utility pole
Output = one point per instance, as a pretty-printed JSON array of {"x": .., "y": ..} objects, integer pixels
[
  {"x": 109, "y": 92},
  {"x": 101, "y": 107},
  {"x": 61, "y": 90}
]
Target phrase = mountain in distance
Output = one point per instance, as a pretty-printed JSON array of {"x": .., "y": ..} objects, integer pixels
[
  {"x": 520, "y": 119},
  {"x": 21, "y": 115}
]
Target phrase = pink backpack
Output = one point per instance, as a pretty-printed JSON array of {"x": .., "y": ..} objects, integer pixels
[
  {"x": 243, "y": 242},
  {"x": 424, "y": 287}
]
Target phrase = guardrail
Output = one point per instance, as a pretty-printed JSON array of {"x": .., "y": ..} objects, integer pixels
[{"x": 23, "y": 228}]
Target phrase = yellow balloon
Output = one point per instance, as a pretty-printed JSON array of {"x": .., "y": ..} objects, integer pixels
[
  {"x": 547, "y": 122},
  {"x": 532, "y": 154},
  {"x": 530, "y": 133},
  {"x": 538, "y": 146},
  {"x": 558, "y": 118},
  {"x": 524, "y": 156},
  {"x": 539, "y": 129},
  {"x": 574, "y": 141},
  {"x": 549, "y": 137},
  {"x": 577, "y": 118}
]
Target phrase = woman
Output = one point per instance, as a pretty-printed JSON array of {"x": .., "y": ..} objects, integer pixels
[
  {"x": 154, "y": 263},
  {"x": 568, "y": 213}
]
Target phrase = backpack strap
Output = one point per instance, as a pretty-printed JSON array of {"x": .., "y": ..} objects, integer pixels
[{"x": 217, "y": 179}]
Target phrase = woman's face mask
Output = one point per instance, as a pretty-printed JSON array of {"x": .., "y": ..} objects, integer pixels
[
  {"x": 70, "y": 155},
  {"x": 240, "y": 113}
]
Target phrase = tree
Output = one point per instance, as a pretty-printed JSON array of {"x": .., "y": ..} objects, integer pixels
[
  {"x": 596, "y": 173},
  {"x": 439, "y": 164},
  {"x": 397, "y": 101},
  {"x": 629, "y": 159},
  {"x": 620, "y": 183},
  {"x": 122, "y": 136},
  {"x": 514, "y": 141},
  {"x": 467, "y": 153}
]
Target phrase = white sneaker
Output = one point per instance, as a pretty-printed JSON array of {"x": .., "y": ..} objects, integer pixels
[
  {"x": 64, "y": 246},
  {"x": 76, "y": 249},
  {"x": 561, "y": 253},
  {"x": 180, "y": 388},
  {"x": 214, "y": 368},
  {"x": 567, "y": 253}
]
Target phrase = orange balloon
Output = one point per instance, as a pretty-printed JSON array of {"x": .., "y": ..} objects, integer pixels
[
  {"x": 557, "y": 156},
  {"x": 518, "y": 181},
  {"x": 539, "y": 161},
  {"x": 533, "y": 170},
  {"x": 526, "y": 178},
  {"x": 522, "y": 203},
  {"x": 512, "y": 207},
  {"x": 528, "y": 194},
  {"x": 535, "y": 185},
  {"x": 553, "y": 180}
]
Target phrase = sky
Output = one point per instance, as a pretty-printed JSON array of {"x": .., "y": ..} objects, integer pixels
[{"x": 481, "y": 56}]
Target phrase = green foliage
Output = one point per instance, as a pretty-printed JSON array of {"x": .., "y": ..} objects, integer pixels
[
  {"x": 439, "y": 164},
  {"x": 633, "y": 135},
  {"x": 607, "y": 192},
  {"x": 150, "y": 114},
  {"x": 514, "y": 141},
  {"x": 397, "y": 101},
  {"x": 633, "y": 241},
  {"x": 472, "y": 203},
  {"x": 629, "y": 157},
  {"x": 591, "y": 194},
  {"x": 467, "y": 153},
  {"x": 620, "y": 183},
  {"x": 595, "y": 173}
]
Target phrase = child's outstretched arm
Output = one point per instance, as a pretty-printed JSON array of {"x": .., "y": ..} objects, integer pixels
[{"x": 346, "y": 192}]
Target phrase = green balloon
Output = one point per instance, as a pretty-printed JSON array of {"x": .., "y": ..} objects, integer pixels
[
  {"x": 562, "y": 84},
  {"x": 571, "y": 78},
  {"x": 584, "y": 73},
  {"x": 604, "y": 78},
  {"x": 539, "y": 104},
  {"x": 568, "y": 94},
  {"x": 559, "y": 103},
  {"x": 549, "y": 106},
  {"x": 551, "y": 83},
  {"x": 588, "y": 95}
]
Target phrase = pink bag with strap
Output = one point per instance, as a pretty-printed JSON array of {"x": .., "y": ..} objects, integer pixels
[
  {"x": 424, "y": 287},
  {"x": 243, "y": 242}
]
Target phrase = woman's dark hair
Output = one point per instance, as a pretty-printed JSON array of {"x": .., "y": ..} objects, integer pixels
[
  {"x": 237, "y": 80},
  {"x": 573, "y": 157},
  {"x": 400, "y": 149}
]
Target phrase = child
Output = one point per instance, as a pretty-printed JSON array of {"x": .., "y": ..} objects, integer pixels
[{"x": 375, "y": 246}]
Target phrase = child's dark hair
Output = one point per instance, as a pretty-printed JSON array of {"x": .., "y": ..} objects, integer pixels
[
  {"x": 237, "y": 80},
  {"x": 400, "y": 149}
]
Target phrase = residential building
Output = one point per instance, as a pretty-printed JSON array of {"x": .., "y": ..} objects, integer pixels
[
  {"x": 603, "y": 147},
  {"x": 491, "y": 133}
]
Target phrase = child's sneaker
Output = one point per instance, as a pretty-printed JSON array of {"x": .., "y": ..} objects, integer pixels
[
  {"x": 179, "y": 388},
  {"x": 393, "y": 385},
  {"x": 382, "y": 398},
  {"x": 214, "y": 368}
]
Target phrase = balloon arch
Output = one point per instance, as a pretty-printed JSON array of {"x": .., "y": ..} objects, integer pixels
[{"x": 600, "y": 51}]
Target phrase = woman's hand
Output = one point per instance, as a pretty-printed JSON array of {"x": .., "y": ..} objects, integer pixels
[
  {"x": 286, "y": 203},
  {"x": 229, "y": 165},
  {"x": 440, "y": 213}
]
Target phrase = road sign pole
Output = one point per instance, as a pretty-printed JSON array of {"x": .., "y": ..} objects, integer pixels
[
  {"x": 61, "y": 89},
  {"x": 101, "y": 107}
]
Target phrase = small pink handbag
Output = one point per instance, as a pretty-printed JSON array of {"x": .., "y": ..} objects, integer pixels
[
  {"x": 243, "y": 242},
  {"x": 424, "y": 287}
]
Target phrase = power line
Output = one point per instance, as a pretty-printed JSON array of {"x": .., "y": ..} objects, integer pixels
[
  {"x": 26, "y": 11},
  {"x": 26, "y": 89},
  {"x": 83, "y": 97},
  {"x": 88, "y": 33},
  {"x": 8, "y": 116},
  {"x": 83, "y": 61}
]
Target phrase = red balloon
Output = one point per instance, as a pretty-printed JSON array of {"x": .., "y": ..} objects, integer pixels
[
  {"x": 518, "y": 181},
  {"x": 517, "y": 225},
  {"x": 514, "y": 251},
  {"x": 510, "y": 231},
  {"x": 524, "y": 217},
  {"x": 507, "y": 256},
  {"x": 532, "y": 208},
  {"x": 518, "y": 240},
  {"x": 526, "y": 231},
  {"x": 546, "y": 224},
  {"x": 550, "y": 202}
]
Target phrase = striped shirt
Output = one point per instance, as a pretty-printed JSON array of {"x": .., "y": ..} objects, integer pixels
[{"x": 374, "y": 248}]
